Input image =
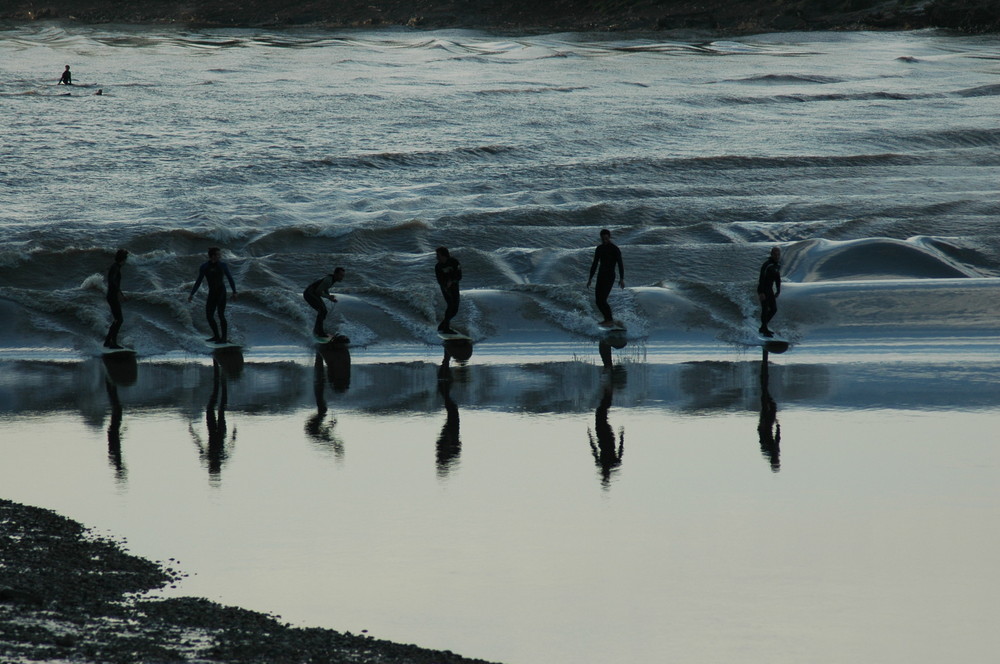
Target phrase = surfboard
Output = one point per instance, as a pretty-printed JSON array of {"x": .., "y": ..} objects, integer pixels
[
  {"x": 223, "y": 346},
  {"x": 454, "y": 337},
  {"x": 116, "y": 351},
  {"x": 335, "y": 339},
  {"x": 772, "y": 344},
  {"x": 616, "y": 326}
]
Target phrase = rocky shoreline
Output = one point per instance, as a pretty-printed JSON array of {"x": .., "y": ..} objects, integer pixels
[
  {"x": 720, "y": 16},
  {"x": 68, "y": 596}
]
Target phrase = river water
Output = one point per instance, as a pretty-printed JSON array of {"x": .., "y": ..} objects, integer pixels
[{"x": 696, "y": 502}]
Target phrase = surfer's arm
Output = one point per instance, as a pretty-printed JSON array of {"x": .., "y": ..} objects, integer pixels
[
  {"x": 197, "y": 283},
  {"x": 593, "y": 266},
  {"x": 229, "y": 275}
]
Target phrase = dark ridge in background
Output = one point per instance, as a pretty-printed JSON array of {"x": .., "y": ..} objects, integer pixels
[{"x": 724, "y": 16}]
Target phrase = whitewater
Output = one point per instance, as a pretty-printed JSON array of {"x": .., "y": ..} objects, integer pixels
[{"x": 870, "y": 158}]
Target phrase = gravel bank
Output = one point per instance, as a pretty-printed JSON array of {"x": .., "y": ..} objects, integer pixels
[{"x": 68, "y": 596}]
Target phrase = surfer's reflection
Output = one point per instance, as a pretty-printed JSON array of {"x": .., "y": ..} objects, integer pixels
[
  {"x": 768, "y": 428},
  {"x": 606, "y": 448},
  {"x": 449, "y": 443},
  {"x": 215, "y": 451},
  {"x": 333, "y": 365},
  {"x": 118, "y": 371},
  {"x": 115, "y": 432}
]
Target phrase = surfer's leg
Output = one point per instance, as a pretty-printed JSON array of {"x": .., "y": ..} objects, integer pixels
[
  {"x": 317, "y": 304},
  {"x": 451, "y": 300},
  {"x": 223, "y": 323},
  {"x": 211, "y": 304},
  {"x": 601, "y": 293},
  {"x": 111, "y": 339},
  {"x": 768, "y": 308}
]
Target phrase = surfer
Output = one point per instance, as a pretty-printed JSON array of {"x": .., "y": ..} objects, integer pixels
[
  {"x": 606, "y": 257},
  {"x": 214, "y": 271},
  {"x": 448, "y": 272},
  {"x": 115, "y": 297},
  {"x": 768, "y": 289},
  {"x": 314, "y": 294},
  {"x": 66, "y": 78}
]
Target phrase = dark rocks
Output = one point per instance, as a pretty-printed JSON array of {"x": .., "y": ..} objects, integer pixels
[{"x": 66, "y": 595}]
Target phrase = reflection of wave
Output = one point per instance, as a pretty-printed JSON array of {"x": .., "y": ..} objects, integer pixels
[{"x": 552, "y": 387}]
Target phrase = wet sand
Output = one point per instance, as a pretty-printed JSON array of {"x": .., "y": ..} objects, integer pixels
[{"x": 66, "y": 595}]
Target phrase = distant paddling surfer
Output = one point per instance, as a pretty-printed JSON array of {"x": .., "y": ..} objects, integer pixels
[
  {"x": 66, "y": 78},
  {"x": 314, "y": 294},
  {"x": 115, "y": 297},
  {"x": 768, "y": 289},
  {"x": 607, "y": 256},
  {"x": 448, "y": 272},
  {"x": 215, "y": 272}
]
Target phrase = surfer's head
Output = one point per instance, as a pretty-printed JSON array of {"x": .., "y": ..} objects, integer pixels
[
  {"x": 442, "y": 254},
  {"x": 214, "y": 254},
  {"x": 775, "y": 253},
  {"x": 121, "y": 255},
  {"x": 605, "y": 236},
  {"x": 338, "y": 274}
]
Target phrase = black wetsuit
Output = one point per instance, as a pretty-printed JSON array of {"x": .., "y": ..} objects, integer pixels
[
  {"x": 768, "y": 289},
  {"x": 607, "y": 256},
  {"x": 215, "y": 274},
  {"x": 66, "y": 78},
  {"x": 115, "y": 302},
  {"x": 313, "y": 294},
  {"x": 448, "y": 275}
]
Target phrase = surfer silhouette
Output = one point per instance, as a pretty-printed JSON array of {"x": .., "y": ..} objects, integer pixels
[
  {"x": 607, "y": 256},
  {"x": 66, "y": 78},
  {"x": 314, "y": 294},
  {"x": 215, "y": 272},
  {"x": 448, "y": 272},
  {"x": 768, "y": 289},
  {"x": 115, "y": 297}
]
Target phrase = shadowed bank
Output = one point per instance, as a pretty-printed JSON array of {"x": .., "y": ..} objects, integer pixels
[{"x": 732, "y": 16}]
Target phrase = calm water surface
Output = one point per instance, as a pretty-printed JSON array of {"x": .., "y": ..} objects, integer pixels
[{"x": 549, "y": 511}]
